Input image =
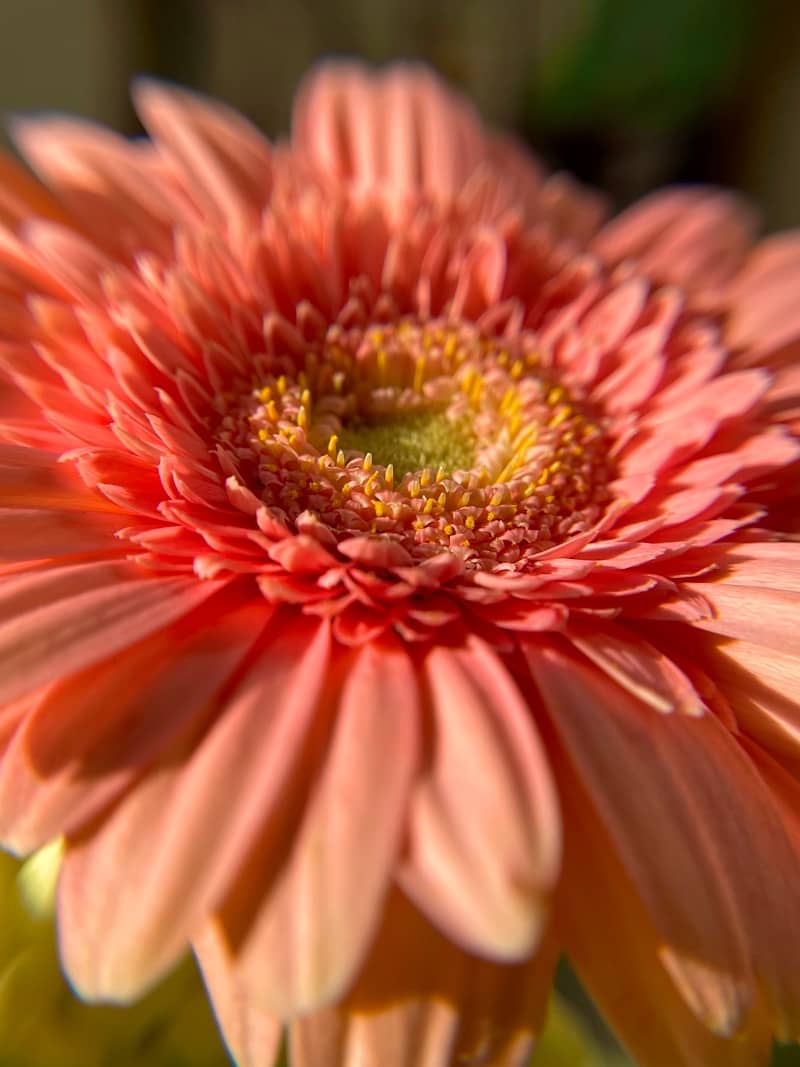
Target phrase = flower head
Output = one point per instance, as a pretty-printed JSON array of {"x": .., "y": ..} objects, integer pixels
[{"x": 399, "y": 581}]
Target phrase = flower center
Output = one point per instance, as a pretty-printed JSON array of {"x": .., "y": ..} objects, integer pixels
[
  {"x": 413, "y": 441},
  {"x": 429, "y": 433}
]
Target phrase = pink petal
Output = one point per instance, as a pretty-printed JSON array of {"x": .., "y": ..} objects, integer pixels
[
  {"x": 252, "y": 1037},
  {"x": 110, "y": 185},
  {"x": 483, "y": 848},
  {"x": 22, "y": 196},
  {"x": 28, "y": 534},
  {"x": 33, "y": 478},
  {"x": 91, "y": 735},
  {"x": 306, "y": 924},
  {"x": 752, "y": 612},
  {"x": 637, "y": 666},
  {"x": 421, "y": 1002},
  {"x": 692, "y": 236},
  {"x": 225, "y": 162},
  {"x": 58, "y": 621},
  {"x": 764, "y": 311},
  {"x": 401, "y": 129},
  {"x": 405, "y": 1035},
  {"x": 119, "y": 935},
  {"x": 667, "y": 808},
  {"x": 763, "y": 687},
  {"x": 611, "y": 941}
]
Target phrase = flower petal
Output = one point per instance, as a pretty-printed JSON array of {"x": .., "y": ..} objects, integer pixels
[
  {"x": 22, "y": 196},
  {"x": 483, "y": 849},
  {"x": 182, "y": 848},
  {"x": 252, "y": 1036},
  {"x": 91, "y": 735},
  {"x": 611, "y": 940},
  {"x": 305, "y": 923},
  {"x": 225, "y": 162},
  {"x": 764, "y": 313},
  {"x": 694, "y": 236},
  {"x": 421, "y": 1002},
  {"x": 402, "y": 129},
  {"x": 762, "y": 685},
  {"x": 100, "y": 610},
  {"x": 762, "y": 615},
  {"x": 29, "y": 534},
  {"x": 661, "y": 804},
  {"x": 637, "y": 666}
]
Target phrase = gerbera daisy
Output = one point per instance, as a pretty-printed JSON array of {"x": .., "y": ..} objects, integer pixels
[{"x": 399, "y": 587}]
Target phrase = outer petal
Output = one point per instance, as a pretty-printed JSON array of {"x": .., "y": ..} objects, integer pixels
[
  {"x": 611, "y": 940},
  {"x": 298, "y": 942},
  {"x": 252, "y": 1036},
  {"x": 637, "y": 666},
  {"x": 21, "y": 196},
  {"x": 763, "y": 688},
  {"x": 757, "y": 599},
  {"x": 91, "y": 735},
  {"x": 401, "y": 130},
  {"x": 30, "y": 534},
  {"x": 484, "y": 835},
  {"x": 113, "y": 187},
  {"x": 54, "y": 622},
  {"x": 764, "y": 314},
  {"x": 224, "y": 162},
  {"x": 698, "y": 835},
  {"x": 420, "y": 1002},
  {"x": 694, "y": 236},
  {"x": 181, "y": 846},
  {"x": 648, "y": 789}
]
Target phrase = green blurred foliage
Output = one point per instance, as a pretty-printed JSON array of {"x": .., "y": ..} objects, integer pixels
[
  {"x": 568, "y": 1042},
  {"x": 628, "y": 63},
  {"x": 42, "y": 1024}
]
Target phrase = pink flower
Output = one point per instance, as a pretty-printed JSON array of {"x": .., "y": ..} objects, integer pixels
[{"x": 399, "y": 585}]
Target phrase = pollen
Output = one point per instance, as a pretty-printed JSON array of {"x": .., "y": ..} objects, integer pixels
[{"x": 431, "y": 433}]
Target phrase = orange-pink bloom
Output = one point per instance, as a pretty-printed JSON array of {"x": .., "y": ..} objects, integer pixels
[{"x": 400, "y": 581}]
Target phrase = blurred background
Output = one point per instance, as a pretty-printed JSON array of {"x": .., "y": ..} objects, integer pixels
[{"x": 628, "y": 94}]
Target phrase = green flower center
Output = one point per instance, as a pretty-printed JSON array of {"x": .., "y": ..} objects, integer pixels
[{"x": 412, "y": 441}]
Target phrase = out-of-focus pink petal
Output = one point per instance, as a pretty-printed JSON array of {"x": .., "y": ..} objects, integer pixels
[
  {"x": 483, "y": 845},
  {"x": 111, "y": 186},
  {"x": 21, "y": 196},
  {"x": 172, "y": 830},
  {"x": 28, "y": 534},
  {"x": 57, "y": 621},
  {"x": 612, "y": 942},
  {"x": 401, "y": 130},
  {"x": 252, "y": 1036},
  {"x": 307, "y": 923},
  {"x": 647, "y": 785},
  {"x": 687, "y": 770},
  {"x": 762, "y": 687},
  {"x": 764, "y": 614},
  {"x": 421, "y": 1001},
  {"x": 763, "y": 313},
  {"x": 33, "y": 478},
  {"x": 637, "y": 666},
  {"x": 224, "y": 162},
  {"x": 88, "y": 737},
  {"x": 694, "y": 236}
]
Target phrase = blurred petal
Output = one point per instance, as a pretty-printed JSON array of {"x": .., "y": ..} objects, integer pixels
[
  {"x": 484, "y": 832},
  {"x": 344, "y": 849}
]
